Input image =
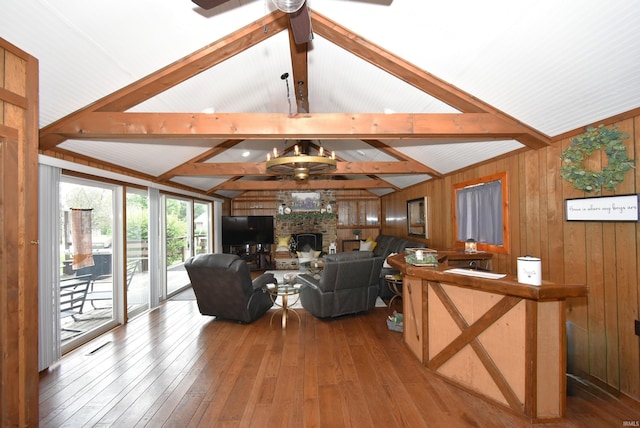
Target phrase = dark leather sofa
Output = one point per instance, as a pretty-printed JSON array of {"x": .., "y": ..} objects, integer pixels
[
  {"x": 386, "y": 245},
  {"x": 224, "y": 289},
  {"x": 349, "y": 284}
]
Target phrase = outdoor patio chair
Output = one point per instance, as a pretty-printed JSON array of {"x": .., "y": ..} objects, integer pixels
[
  {"x": 73, "y": 293},
  {"x": 92, "y": 296}
]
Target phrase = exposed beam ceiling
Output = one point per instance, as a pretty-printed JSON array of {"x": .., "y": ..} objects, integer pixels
[
  {"x": 364, "y": 93},
  {"x": 114, "y": 125}
]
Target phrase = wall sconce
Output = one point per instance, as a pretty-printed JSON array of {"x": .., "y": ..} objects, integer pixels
[{"x": 470, "y": 246}]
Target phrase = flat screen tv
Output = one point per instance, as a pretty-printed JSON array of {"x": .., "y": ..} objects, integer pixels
[{"x": 239, "y": 230}]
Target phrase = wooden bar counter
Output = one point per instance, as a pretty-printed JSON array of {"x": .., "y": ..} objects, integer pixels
[{"x": 497, "y": 338}]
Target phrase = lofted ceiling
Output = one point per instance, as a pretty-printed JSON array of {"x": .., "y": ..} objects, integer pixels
[{"x": 403, "y": 91}]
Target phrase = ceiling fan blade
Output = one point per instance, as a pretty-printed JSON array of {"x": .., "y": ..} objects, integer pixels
[
  {"x": 301, "y": 25},
  {"x": 209, "y": 4}
]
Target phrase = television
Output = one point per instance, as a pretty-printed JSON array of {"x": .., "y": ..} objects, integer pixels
[{"x": 240, "y": 230}]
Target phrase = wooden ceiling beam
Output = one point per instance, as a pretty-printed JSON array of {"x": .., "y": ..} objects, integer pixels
[
  {"x": 200, "y": 158},
  {"x": 305, "y": 185},
  {"x": 412, "y": 163},
  {"x": 173, "y": 74},
  {"x": 300, "y": 67},
  {"x": 415, "y": 76},
  {"x": 259, "y": 126},
  {"x": 259, "y": 168}
]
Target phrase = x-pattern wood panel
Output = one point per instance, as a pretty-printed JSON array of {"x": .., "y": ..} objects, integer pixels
[{"x": 469, "y": 335}]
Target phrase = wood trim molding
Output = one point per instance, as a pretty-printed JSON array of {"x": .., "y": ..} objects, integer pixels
[{"x": 13, "y": 98}]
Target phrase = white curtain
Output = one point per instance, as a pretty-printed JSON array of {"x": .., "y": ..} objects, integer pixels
[
  {"x": 479, "y": 213},
  {"x": 217, "y": 227},
  {"x": 154, "y": 247},
  {"x": 48, "y": 266}
]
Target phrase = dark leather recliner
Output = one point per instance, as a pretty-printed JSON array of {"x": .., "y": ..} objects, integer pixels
[
  {"x": 348, "y": 284},
  {"x": 224, "y": 289}
]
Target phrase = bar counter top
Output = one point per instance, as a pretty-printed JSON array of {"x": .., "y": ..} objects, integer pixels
[{"x": 508, "y": 286}]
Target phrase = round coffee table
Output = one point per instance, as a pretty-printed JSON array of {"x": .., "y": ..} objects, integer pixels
[{"x": 285, "y": 291}]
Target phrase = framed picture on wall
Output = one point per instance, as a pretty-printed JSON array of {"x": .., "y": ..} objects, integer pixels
[
  {"x": 603, "y": 208},
  {"x": 305, "y": 201}
]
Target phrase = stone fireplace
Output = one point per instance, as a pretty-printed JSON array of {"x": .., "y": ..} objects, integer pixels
[{"x": 321, "y": 224}]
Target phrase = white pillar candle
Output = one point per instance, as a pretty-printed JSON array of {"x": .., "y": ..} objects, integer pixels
[{"x": 419, "y": 256}]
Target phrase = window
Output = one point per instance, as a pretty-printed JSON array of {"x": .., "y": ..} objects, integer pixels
[{"x": 481, "y": 212}]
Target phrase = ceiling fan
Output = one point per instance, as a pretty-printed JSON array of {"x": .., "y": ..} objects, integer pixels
[{"x": 297, "y": 10}]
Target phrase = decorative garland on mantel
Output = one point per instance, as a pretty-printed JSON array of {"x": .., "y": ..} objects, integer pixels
[
  {"x": 583, "y": 146},
  {"x": 306, "y": 216}
]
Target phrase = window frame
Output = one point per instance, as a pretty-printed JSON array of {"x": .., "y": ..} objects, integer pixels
[{"x": 506, "y": 234}]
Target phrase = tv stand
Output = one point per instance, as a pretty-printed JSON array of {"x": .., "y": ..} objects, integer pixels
[{"x": 257, "y": 256}]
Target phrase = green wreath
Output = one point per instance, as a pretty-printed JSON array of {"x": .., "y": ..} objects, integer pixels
[{"x": 583, "y": 146}]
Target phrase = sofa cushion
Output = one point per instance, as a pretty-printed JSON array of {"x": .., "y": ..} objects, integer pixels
[
  {"x": 306, "y": 256},
  {"x": 283, "y": 243},
  {"x": 366, "y": 245},
  {"x": 349, "y": 255}
]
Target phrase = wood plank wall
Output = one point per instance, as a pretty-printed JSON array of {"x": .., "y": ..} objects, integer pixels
[
  {"x": 18, "y": 237},
  {"x": 601, "y": 341}
]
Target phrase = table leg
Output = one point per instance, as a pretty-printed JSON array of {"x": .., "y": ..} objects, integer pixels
[
  {"x": 394, "y": 286},
  {"x": 285, "y": 298}
]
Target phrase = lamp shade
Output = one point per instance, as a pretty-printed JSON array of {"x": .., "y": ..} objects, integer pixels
[{"x": 288, "y": 6}]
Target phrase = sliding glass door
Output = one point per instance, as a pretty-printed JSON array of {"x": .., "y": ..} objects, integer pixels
[
  {"x": 87, "y": 264},
  {"x": 202, "y": 227},
  {"x": 187, "y": 227},
  {"x": 177, "y": 246},
  {"x": 137, "y": 250}
]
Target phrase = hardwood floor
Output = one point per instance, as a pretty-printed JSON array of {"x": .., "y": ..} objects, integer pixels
[{"x": 176, "y": 368}]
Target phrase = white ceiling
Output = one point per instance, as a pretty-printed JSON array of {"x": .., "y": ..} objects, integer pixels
[{"x": 554, "y": 66}]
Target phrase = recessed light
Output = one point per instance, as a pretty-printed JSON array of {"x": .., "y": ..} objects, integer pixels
[{"x": 246, "y": 154}]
